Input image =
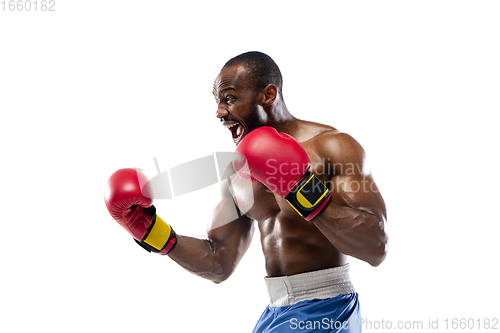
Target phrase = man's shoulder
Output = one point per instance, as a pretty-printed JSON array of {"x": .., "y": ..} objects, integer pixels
[
  {"x": 335, "y": 144},
  {"x": 336, "y": 137},
  {"x": 319, "y": 133},
  {"x": 309, "y": 130}
]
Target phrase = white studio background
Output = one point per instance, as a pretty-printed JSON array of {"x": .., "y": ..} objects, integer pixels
[{"x": 96, "y": 86}]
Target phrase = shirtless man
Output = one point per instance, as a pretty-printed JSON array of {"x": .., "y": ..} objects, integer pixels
[{"x": 306, "y": 261}]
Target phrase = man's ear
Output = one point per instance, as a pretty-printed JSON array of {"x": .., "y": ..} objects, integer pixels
[{"x": 269, "y": 95}]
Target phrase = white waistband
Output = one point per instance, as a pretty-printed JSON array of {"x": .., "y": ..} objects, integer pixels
[{"x": 288, "y": 290}]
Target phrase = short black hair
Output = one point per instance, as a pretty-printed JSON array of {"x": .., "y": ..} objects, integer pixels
[{"x": 261, "y": 69}]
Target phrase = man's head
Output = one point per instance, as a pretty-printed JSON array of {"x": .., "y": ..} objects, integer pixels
[
  {"x": 246, "y": 91},
  {"x": 261, "y": 70}
]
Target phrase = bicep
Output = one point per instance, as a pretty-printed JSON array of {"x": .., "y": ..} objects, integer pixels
[
  {"x": 229, "y": 232},
  {"x": 227, "y": 221},
  {"x": 352, "y": 181},
  {"x": 226, "y": 212},
  {"x": 359, "y": 192}
]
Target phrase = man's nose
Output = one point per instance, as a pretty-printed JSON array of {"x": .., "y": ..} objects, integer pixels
[{"x": 221, "y": 112}]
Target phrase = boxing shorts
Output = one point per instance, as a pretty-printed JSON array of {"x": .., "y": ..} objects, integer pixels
[{"x": 319, "y": 301}]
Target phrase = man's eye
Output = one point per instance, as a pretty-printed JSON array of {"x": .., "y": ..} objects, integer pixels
[{"x": 229, "y": 99}]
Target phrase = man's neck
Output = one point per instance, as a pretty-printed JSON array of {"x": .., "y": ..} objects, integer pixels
[{"x": 280, "y": 118}]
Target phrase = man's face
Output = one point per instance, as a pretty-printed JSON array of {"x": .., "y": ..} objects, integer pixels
[{"x": 237, "y": 106}]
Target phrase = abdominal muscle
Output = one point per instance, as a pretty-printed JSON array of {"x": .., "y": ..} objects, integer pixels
[{"x": 292, "y": 245}]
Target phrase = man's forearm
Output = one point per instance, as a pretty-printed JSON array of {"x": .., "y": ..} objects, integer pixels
[
  {"x": 354, "y": 232},
  {"x": 199, "y": 257}
]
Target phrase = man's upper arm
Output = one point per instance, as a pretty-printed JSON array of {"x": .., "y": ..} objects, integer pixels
[
  {"x": 351, "y": 180},
  {"x": 229, "y": 232}
]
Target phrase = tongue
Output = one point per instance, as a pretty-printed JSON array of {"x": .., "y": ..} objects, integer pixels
[{"x": 239, "y": 130}]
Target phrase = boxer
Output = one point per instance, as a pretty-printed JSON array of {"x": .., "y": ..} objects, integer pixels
[{"x": 312, "y": 197}]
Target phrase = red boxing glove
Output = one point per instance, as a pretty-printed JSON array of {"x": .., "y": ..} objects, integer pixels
[
  {"x": 279, "y": 162},
  {"x": 129, "y": 201}
]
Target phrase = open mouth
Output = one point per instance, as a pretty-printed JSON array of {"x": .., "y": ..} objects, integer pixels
[{"x": 237, "y": 130}]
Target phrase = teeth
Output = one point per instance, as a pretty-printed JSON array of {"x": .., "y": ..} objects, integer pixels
[
  {"x": 238, "y": 138},
  {"x": 232, "y": 125},
  {"x": 229, "y": 126}
]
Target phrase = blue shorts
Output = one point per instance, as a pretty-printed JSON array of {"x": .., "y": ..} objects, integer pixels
[
  {"x": 337, "y": 314},
  {"x": 319, "y": 301}
]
